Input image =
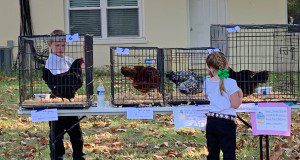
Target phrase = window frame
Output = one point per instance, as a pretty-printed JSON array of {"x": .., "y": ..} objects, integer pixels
[{"x": 104, "y": 31}]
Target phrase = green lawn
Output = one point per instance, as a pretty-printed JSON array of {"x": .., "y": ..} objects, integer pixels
[{"x": 114, "y": 137}]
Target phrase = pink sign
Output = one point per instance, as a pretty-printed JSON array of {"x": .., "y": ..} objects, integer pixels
[{"x": 271, "y": 119}]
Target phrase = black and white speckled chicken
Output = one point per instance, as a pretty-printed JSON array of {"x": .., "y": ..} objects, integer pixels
[{"x": 187, "y": 82}]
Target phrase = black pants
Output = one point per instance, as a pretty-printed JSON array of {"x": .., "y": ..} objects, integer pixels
[
  {"x": 220, "y": 135},
  {"x": 63, "y": 124}
]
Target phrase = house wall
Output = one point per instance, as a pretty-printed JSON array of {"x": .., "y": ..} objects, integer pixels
[
  {"x": 166, "y": 22},
  {"x": 10, "y": 21},
  {"x": 257, "y": 11}
]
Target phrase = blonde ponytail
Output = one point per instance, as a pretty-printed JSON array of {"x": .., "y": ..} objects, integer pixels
[
  {"x": 218, "y": 61},
  {"x": 222, "y": 87}
]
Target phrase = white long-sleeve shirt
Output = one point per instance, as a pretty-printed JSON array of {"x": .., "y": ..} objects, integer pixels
[{"x": 58, "y": 65}]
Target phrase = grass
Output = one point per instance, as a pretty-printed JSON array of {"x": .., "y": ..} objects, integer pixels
[{"x": 114, "y": 137}]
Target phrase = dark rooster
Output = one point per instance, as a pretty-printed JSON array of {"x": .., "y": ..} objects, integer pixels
[
  {"x": 186, "y": 82},
  {"x": 66, "y": 84},
  {"x": 248, "y": 80},
  {"x": 143, "y": 78}
]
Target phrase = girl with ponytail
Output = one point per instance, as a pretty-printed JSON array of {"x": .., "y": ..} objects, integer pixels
[{"x": 224, "y": 96}]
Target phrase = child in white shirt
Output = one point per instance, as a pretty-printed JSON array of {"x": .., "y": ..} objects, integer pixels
[
  {"x": 224, "y": 96},
  {"x": 58, "y": 63}
]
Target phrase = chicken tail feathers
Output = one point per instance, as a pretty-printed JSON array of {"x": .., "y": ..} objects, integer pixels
[{"x": 47, "y": 76}]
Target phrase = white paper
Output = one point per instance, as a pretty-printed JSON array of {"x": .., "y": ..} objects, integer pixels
[
  {"x": 72, "y": 38},
  {"x": 139, "y": 113},
  {"x": 234, "y": 29},
  {"x": 247, "y": 107},
  {"x": 190, "y": 117},
  {"x": 44, "y": 115},
  {"x": 122, "y": 50},
  {"x": 213, "y": 50},
  {"x": 269, "y": 118}
]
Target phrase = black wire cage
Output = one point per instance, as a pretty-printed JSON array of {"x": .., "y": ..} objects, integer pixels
[
  {"x": 41, "y": 86},
  {"x": 158, "y": 76},
  {"x": 264, "y": 59},
  {"x": 185, "y": 70},
  {"x": 136, "y": 76}
]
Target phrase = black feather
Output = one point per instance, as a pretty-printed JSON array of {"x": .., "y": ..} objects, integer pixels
[
  {"x": 248, "y": 80},
  {"x": 66, "y": 84}
]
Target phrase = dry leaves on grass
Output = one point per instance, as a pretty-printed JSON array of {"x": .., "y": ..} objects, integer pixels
[
  {"x": 203, "y": 151},
  {"x": 6, "y": 153},
  {"x": 2, "y": 144},
  {"x": 173, "y": 154},
  {"x": 133, "y": 124},
  {"x": 28, "y": 155},
  {"x": 277, "y": 152},
  {"x": 102, "y": 136},
  {"x": 160, "y": 145},
  {"x": 142, "y": 145},
  {"x": 158, "y": 135},
  {"x": 179, "y": 144},
  {"x": 9, "y": 79},
  {"x": 3, "y": 118},
  {"x": 158, "y": 157},
  {"x": 186, "y": 132},
  {"x": 190, "y": 149},
  {"x": 101, "y": 124},
  {"x": 101, "y": 150},
  {"x": 43, "y": 141}
]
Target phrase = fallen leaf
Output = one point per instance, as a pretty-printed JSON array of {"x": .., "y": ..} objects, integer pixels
[
  {"x": 179, "y": 144},
  {"x": 4, "y": 143},
  {"x": 24, "y": 135},
  {"x": 99, "y": 124},
  {"x": 141, "y": 145},
  {"x": 6, "y": 153},
  {"x": 3, "y": 118},
  {"x": 129, "y": 157},
  {"x": 105, "y": 135},
  {"x": 203, "y": 151},
  {"x": 103, "y": 149},
  {"x": 172, "y": 153},
  {"x": 151, "y": 129},
  {"x": 87, "y": 145},
  {"x": 164, "y": 144},
  {"x": 43, "y": 141},
  {"x": 30, "y": 148},
  {"x": 158, "y": 135},
  {"x": 113, "y": 129},
  {"x": 115, "y": 144},
  {"x": 91, "y": 118},
  {"x": 157, "y": 157},
  {"x": 67, "y": 145},
  {"x": 28, "y": 155},
  {"x": 190, "y": 149},
  {"x": 23, "y": 120},
  {"x": 190, "y": 144},
  {"x": 133, "y": 124},
  {"x": 276, "y": 154}
]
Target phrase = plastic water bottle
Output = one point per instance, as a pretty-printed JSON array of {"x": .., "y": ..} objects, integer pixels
[{"x": 101, "y": 96}]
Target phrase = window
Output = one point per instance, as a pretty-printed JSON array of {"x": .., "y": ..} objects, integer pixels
[{"x": 105, "y": 19}]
